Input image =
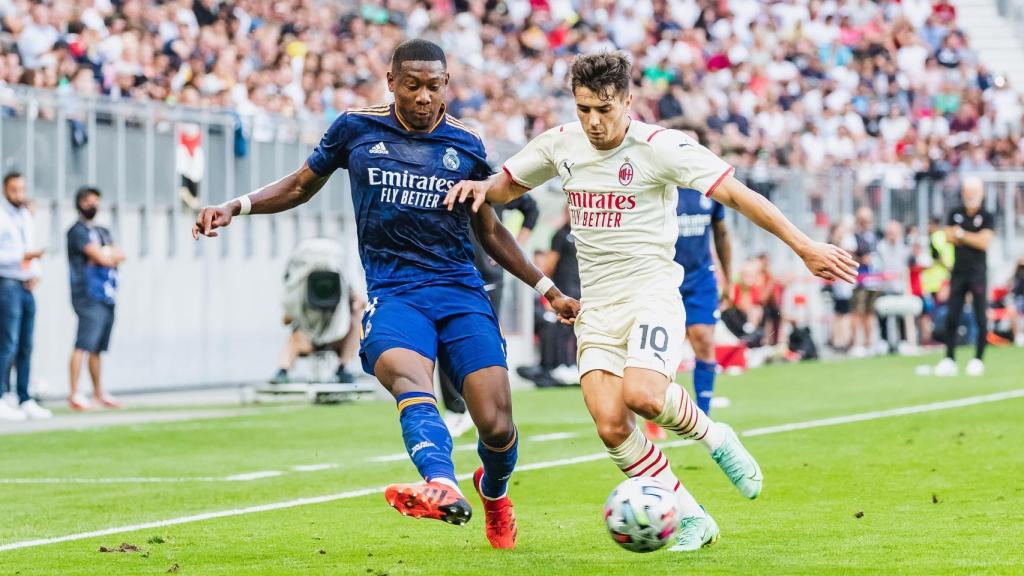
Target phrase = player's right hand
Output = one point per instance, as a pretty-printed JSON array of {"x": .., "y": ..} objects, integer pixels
[
  {"x": 210, "y": 218},
  {"x": 566, "y": 308},
  {"x": 458, "y": 194}
]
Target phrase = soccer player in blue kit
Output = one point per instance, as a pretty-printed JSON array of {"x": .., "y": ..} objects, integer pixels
[
  {"x": 699, "y": 218},
  {"x": 427, "y": 300}
]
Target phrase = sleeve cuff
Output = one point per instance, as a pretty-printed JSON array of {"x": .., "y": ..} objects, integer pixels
[
  {"x": 721, "y": 178},
  {"x": 515, "y": 180}
]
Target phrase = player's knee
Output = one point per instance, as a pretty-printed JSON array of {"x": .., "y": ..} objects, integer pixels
[
  {"x": 701, "y": 340},
  {"x": 498, "y": 432},
  {"x": 614, "y": 432},
  {"x": 644, "y": 400}
]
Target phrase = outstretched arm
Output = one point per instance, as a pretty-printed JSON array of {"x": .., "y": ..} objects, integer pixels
[
  {"x": 500, "y": 245},
  {"x": 498, "y": 189},
  {"x": 823, "y": 260},
  {"x": 288, "y": 192}
]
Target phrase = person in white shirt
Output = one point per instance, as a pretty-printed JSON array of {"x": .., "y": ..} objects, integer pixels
[
  {"x": 620, "y": 178},
  {"x": 19, "y": 274}
]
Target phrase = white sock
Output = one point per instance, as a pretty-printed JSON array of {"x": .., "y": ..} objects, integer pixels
[
  {"x": 638, "y": 456},
  {"x": 682, "y": 416},
  {"x": 449, "y": 483}
]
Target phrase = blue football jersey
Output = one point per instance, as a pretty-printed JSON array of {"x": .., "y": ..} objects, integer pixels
[
  {"x": 407, "y": 237},
  {"x": 696, "y": 213}
]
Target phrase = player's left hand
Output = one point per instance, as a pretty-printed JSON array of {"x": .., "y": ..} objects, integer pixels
[
  {"x": 567, "y": 308},
  {"x": 477, "y": 190},
  {"x": 830, "y": 262}
]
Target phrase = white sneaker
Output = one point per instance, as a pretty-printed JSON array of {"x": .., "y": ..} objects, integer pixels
[
  {"x": 975, "y": 367},
  {"x": 33, "y": 411},
  {"x": 567, "y": 375},
  {"x": 11, "y": 414},
  {"x": 720, "y": 402},
  {"x": 458, "y": 424},
  {"x": 858, "y": 352},
  {"x": 11, "y": 399},
  {"x": 947, "y": 368}
]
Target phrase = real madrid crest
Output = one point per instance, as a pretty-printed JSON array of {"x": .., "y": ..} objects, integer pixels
[
  {"x": 451, "y": 159},
  {"x": 625, "y": 172}
]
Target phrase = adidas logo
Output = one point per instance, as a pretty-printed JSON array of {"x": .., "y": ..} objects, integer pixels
[{"x": 379, "y": 149}]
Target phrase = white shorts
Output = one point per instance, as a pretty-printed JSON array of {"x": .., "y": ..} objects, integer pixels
[{"x": 646, "y": 333}]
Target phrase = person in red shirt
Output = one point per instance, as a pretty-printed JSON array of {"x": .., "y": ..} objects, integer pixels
[{"x": 945, "y": 12}]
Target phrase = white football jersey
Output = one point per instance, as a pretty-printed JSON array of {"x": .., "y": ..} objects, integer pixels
[{"x": 622, "y": 202}]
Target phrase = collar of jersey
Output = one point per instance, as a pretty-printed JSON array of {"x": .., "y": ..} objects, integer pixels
[{"x": 398, "y": 118}]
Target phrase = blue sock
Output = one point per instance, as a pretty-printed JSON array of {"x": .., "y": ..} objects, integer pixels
[
  {"x": 498, "y": 466},
  {"x": 426, "y": 439},
  {"x": 704, "y": 384}
]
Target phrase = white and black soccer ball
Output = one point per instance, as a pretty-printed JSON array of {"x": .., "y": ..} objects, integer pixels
[{"x": 642, "y": 514}]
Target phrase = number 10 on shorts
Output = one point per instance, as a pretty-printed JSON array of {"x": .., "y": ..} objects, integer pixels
[{"x": 656, "y": 338}]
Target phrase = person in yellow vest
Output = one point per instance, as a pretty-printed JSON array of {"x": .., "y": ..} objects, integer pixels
[{"x": 936, "y": 274}]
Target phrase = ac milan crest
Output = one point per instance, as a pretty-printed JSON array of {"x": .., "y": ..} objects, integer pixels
[{"x": 625, "y": 173}]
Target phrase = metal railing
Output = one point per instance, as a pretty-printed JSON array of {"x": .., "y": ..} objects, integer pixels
[
  {"x": 128, "y": 150},
  {"x": 814, "y": 200}
]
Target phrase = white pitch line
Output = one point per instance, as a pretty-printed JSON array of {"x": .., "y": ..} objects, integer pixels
[
  {"x": 126, "y": 480},
  {"x": 553, "y": 436},
  {"x": 946, "y": 405},
  {"x": 314, "y": 467},
  {"x": 247, "y": 476},
  {"x": 820, "y": 423}
]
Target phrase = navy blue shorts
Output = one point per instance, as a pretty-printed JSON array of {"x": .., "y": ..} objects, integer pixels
[
  {"x": 95, "y": 322},
  {"x": 450, "y": 323},
  {"x": 700, "y": 298}
]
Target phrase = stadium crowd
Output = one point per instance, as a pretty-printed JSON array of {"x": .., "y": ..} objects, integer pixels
[{"x": 892, "y": 83}]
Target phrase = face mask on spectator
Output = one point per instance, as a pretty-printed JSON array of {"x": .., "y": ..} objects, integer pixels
[{"x": 88, "y": 213}]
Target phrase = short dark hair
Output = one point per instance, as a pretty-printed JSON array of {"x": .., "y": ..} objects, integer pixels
[
  {"x": 86, "y": 191},
  {"x": 605, "y": 73},
  {"x": 11, "y": 176},
  {"x": 417, "y": 49}
]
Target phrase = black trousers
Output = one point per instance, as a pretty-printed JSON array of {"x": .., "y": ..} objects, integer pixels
[
  {"x": 962, "y": 283},
  {"x": 450, "y": 393}
]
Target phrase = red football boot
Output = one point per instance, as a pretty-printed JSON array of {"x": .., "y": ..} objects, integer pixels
[
  {"x": 653, "y": 431},
  {"x": 499, "y": 518},
  {"x": 429, "y": 500}
]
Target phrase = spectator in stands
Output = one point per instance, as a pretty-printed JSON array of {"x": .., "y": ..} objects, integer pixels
[
  {"x": 841, "y": 234},
  {"x": 868, "y": 282},
  {"x": 93, "y": 259},
  {"x": 19, "y": 274},
  {"x": 1016, "y": 286},
  {"x": 894, "y": 260},
  {"x": 734, "y": 67}
]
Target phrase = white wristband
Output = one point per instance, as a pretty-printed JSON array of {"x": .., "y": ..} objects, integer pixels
[
  {"x": 543, "y": 285},
  {"x": 246, "y": 205}
]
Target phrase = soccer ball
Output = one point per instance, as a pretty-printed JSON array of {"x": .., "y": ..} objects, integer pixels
[{"x": 642, "y": 514}]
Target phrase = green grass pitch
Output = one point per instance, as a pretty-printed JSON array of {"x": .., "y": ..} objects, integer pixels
[{"x": 927, "y": 492}]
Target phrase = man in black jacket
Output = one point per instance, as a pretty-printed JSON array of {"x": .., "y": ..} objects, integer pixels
[{"x": 970, "y": 229}]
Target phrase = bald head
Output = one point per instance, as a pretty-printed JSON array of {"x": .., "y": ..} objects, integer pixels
[
  {"x": 973, "y": 192},
  {"x": 865, "y": 218}
]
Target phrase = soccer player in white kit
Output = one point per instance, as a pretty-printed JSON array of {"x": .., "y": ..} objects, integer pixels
[{"x": 620, "y": 178}]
